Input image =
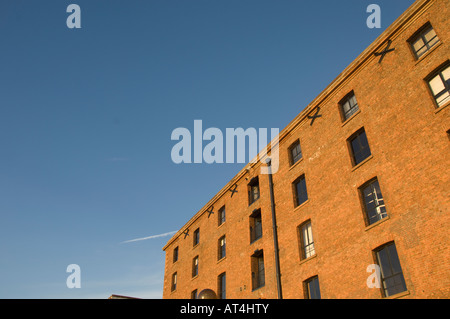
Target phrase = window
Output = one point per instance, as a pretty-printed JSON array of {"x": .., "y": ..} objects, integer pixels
[
  {"x": 194, "y": 294},
  {"x": 359, "y": 147},
  {"x": 295, "y": 152},
  {"x": 439, "y": 84},
  {"x": 392, "y": 278},
  {"x": 174, "y": 282},
  {"x": 253, "y": 190},
  {"x": 196, "y": 237},
  {"x": 373, "y": 202},
  {"x": 306, "y": 240},
  {"x": 222, "y": 248},
  {"x": 422, "y": 41},
  {"x": 255, "y": 225},
  {"x": 300, "y": 193},
  {"x": 175, "y": 254},
  {"x": 221, "y": 215},
  {"x": 349, "y": 106},
  {"x": 312, "y": 289},
  {"x": 195, "y": 266},
  {"x": 257, "y": 265},
  {"x": 221, "y": 286}
]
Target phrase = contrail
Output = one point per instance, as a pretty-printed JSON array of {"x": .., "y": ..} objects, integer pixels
[{"x": 150, "y": 237}]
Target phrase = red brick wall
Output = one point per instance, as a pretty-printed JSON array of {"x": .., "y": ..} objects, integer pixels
[{"x": 410, "y": 156}]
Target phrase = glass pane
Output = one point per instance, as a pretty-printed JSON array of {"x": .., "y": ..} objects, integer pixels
[
  {"x": 302, "y": 195},
  {"x": 395, "y": 262},
  {"x": 444, "y": 98},
  {"x": 296, "y": 153},
  {"x": 429, "y": 35},
  {"x": 417, "y": 45},
  {"x": 446, "y": 73},
  {"x": 383, "y": 259},
  {"x": 346, "y": 107},
  {"x": 433, "y": 41},
  {"x": 314, "y": 289},
  {"x": 360, "y": 148},
  {"x": 436, "y": 85}
]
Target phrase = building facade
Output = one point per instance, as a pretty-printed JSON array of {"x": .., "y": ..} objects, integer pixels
[{"x": 362, "y": 187}]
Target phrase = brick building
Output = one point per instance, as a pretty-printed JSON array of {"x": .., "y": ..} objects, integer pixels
[{"x": 366, "y": 183}]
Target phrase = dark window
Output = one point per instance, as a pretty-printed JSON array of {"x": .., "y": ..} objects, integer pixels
[
  {"x": 196, "y": 236},
  {"x": 424, "y": 40},
  {"x": 194, "y": 294},
  {"x": 360, "y": 147},
  {"x": 222, "y": 286},
  {"x": 195, "y": 266},
  {"x": 253, "y": 190},
  {"x": 258, "y": 276},
  {"x": 312, "y": 288},
  {"x": 440, "y": 85},
  {"x": 295, "y": 152},
  {"x": 373, "y": 202},
  {"x": 222, "y": 247},
  {"x": 255, "y": 226},
  {"x": 392, "y": 278},
  {"x": 306, "y": 240},
  {"x": 175, "y": 254},
  {"x": 349, "y": 106},
  {"x": 174, "y": 281},
  {"x": 300, "y": 193},
  {"x": 221, "y": 215}
]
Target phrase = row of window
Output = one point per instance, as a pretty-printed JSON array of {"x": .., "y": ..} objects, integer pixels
[
  {"x": 386, "y": 256},
  {"x": 255, "y": 227},
  {"x": 358, "y": 147},
  {"x": 391, "y": 274}
]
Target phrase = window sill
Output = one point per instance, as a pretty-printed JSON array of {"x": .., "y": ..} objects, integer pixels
[
  {"x": 255, "y": 201},
  {"x": 440, "y": 108},
  {"x": 296, "y": 163},
  {"x": 376, "y": 223},
  {"x": 399, "y": 295},
  {"x": 301, "y": 205},
  {"x": 257, "y": 288},
  {"x": 362, "y": 163},
  {"x": 307, "y": 259},
  {"x": 255, "y": 240},
  {"x": 221, "y": 259},
  {"x": 428, "y": 52},
  {"x": 351, "y": 117},
  {"x": 195, "y": 277}
]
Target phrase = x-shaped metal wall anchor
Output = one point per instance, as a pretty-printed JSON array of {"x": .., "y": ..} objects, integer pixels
[
  {"x": 186, "y": 233},
  {"x": 210, "y": 211},
  {"x": 316, "y": 115},
  {"x": 385, "y": 51},
  {"x": 233, "y": 190}
]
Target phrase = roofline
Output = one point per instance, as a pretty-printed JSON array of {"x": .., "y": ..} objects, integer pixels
[{"x": 402, "y": 22}]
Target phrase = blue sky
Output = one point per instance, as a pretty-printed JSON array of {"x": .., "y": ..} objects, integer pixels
[{"x": 86, "y": 117}]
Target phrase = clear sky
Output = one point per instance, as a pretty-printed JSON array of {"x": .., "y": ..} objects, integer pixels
[{"x": 86, "y": 117}]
